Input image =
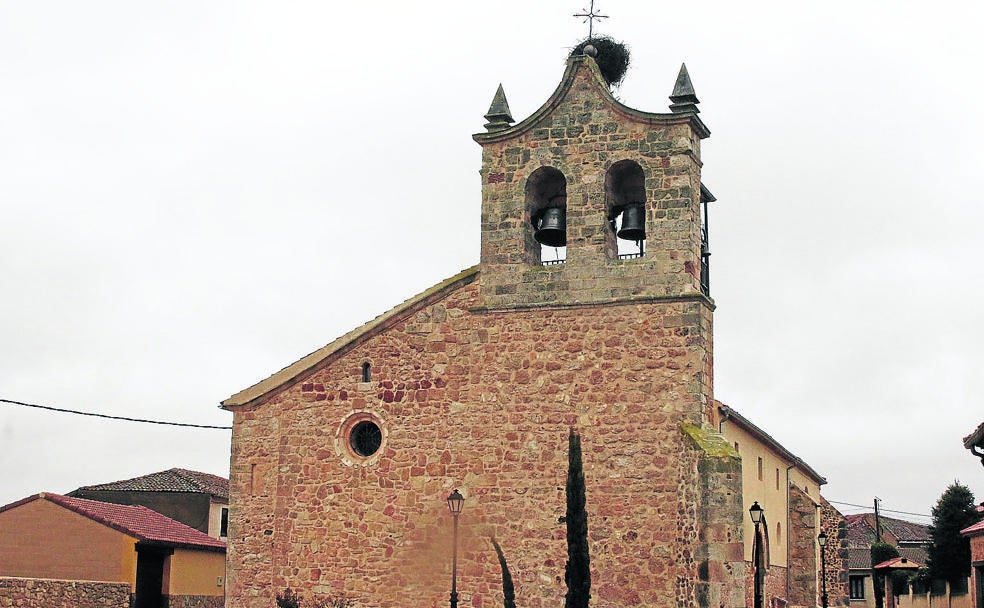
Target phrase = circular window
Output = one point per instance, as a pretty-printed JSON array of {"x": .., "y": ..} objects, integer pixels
[
  {"x": 365, "y": 438},
  {"x": 360, "y": 438}
]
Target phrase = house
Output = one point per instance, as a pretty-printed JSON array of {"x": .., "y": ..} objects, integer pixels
[
  {"x": 793, "y": 516},
  {"x": 590, "y": 309},
  {"x": 199, "y": 500},
  {"x": 58, "y": 541},
  {"x": 975, "y": 443},
  {"x": 911, "y": 540}
]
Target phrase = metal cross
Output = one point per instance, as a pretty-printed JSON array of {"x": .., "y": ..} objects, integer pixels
[{"x": 591, "y": 16}]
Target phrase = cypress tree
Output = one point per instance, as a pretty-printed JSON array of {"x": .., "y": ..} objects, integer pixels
[
  {"x": 577, "y": 573},
  {"x": 949, "y": 553},
  {"x": 508, "y": 592}
]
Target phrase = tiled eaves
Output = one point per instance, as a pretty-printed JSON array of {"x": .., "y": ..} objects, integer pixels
[
  {"x": 146, "y": 526},
  {"x": 730, "y": 414},
  {"x": 296, "y": 371}
]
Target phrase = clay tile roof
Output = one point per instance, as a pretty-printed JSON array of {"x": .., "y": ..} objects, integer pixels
[
  {"x": 898, "y": 563},
  {"x": 172, "y": 480},
  {"x": 860, "y": 529},
  {"x": 859, "y": 558},
  {"x": 140, "y": 522},
  {"x": 906, "y": 531},
  {"x": 975, "y": 438},
  {"x": 912, "y": 539},
  {"x": 975, "y": 530}
]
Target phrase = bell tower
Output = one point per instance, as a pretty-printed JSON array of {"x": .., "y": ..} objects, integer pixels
[{"x": 588, "y": 201}]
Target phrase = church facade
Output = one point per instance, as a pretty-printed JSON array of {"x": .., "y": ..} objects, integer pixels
[{"x": 589, "y": 310}]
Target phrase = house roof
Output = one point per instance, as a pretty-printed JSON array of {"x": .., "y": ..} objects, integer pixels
[
  {"x": 898, "y": 563},
  {"x": 911, "y": 539},
  {"x": 861, "y": 529},
  {"x": 313, "y": 361},
  {"x": 976, "y": 438},
  {"x": 171, "y": 480},
  {"x": 145, "y": 525},
  {"x": 730, "y": 414},
  {"x": 975, "y": 530}
]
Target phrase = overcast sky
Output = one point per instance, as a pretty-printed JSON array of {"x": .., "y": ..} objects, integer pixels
[{"x": 196, "y": 194}]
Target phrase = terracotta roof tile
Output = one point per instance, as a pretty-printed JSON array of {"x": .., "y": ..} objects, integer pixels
[
  {"x": 140, "y": 522},
  {"x": 975, "y": 530},
  {"x": 897, "y": 563},
  {"x": 172, "y": 480}
]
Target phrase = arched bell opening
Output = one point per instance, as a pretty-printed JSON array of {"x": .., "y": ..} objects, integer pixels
[
  {"x": 546, "y": 203},
  {"x": 625, "y": 189}
]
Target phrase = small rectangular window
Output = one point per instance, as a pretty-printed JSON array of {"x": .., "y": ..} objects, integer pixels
[
  {"x": 224, "y": 524},
  {"x": 777, "y": 479},
  {"x": 857, "y": 587},
  {"x": 760, "y": 468},
  {"x": 736, "y": 448}
]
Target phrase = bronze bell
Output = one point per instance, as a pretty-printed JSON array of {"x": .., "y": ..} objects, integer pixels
[
  {"x": 551, "y": 227},
  {"x": 633, "y": 222}
]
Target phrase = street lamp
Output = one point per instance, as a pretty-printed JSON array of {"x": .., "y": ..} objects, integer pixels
[
  {"x": 455, "y": 502},
  {"x": 756, "y": 513},
  {"x": 822, "y": 541}
]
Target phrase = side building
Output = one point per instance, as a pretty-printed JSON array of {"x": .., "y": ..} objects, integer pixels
[
  {"x": 64, "y": 552},
  {"x": 794, "y": 514}
]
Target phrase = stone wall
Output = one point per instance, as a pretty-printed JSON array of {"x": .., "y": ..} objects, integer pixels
[
  {"x": 834, "y": 524},
  {"x": 482, "y": 401},
  {"x": 802, "y": 550},
  {"x": 582, "y": 136},
  {"x": 197, "y": 601},
  {"x": 48, "y": 593}
]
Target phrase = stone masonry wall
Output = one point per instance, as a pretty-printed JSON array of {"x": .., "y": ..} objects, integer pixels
[
  {"x": 582, "y": 136},
  {"x": 803, "y": 552},
  {"x": 834, "y": 524},
  {"x": 196, "y": 601},
  {"x": 482, "y": 402},
  {"x": 48, "y": 593}
]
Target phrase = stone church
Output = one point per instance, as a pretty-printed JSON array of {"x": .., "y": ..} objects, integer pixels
[{"x": 589, "y": 310}]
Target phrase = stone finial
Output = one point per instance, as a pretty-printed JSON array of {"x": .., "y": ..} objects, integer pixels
[
  {"x": 683, "y": 97},
  {"x": 499, "y": 116}
]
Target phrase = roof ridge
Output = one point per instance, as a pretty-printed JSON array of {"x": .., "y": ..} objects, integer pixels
[{"x": 305, "y": 364}]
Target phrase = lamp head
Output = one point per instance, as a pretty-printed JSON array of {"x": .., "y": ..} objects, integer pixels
[
  {"x": 455, "y": 502},
  {"x": 822, "y": 539},
  {"x": 756, "y": 512}
]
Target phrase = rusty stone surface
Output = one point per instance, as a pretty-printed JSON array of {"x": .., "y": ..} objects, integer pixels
[
  {"x": 582, "y": 137},
  {"x": 49, "y": 593},
  {"x": 195, "y": 601},
  {"x": 481, "y": 402},
  {"x": 834, "y": 524},
  {"x": 803, "y": 551}
]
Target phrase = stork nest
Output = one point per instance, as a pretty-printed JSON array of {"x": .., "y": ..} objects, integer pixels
[{"x": 612, "y": 57}]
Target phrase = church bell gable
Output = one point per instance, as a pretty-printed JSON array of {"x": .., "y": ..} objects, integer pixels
[{"x": 588, "y": 200}]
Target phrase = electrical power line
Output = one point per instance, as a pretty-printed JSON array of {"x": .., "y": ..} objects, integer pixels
[
  {"x": 107, "y": 416},
  {"x": 848, "y": 504}
]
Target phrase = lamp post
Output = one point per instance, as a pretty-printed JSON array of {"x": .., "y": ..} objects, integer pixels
[
  {"x": 756, "y": 513},
  {"x": 455, "y": 502},
  {"x": 822, "y": 541}
]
